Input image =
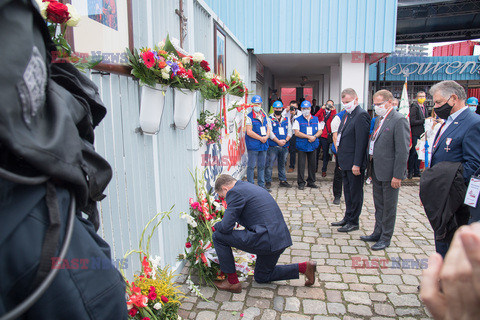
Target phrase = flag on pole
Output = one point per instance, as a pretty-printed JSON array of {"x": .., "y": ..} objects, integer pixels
[{"x": 404, "y": 106}]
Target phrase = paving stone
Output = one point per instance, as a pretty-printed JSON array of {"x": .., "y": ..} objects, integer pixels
[
  {"x": 250, "y": 313},
  {"x": 359, "y": 309},
  {"x": 292, "y": 304},
  {"x": 268, "y": 315},
  {"x": 400, "y": 300},
  {"x": 228, "y": 316},
  {"x": 293, "y": 316},
  {"x": 357, "y": 297},
  {"x": 336, "y": 308},
  {"x": 222, "y": 296},
  {"x": 314, "y": 307},
  {"x": 232, "y": 306},
  {"x": 258, "y": 303},
  {"x": 334, "y": 295},
  {"x": 384, "y": 309},
  {"x": 285, "y": 290},
  {"x": 278, "y": 303},
  {"x": 262, "y": 293},
  {"x": 212, "y": 305},
  {"x": 310, "y": 293},
  {"x": 206, "y": 315}
]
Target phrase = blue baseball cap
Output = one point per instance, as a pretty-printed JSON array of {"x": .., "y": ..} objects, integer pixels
[
  {"x": 256, "y": 99},
  {"x": 277, "y": 104},
  {"x": 306, "y": 104}
]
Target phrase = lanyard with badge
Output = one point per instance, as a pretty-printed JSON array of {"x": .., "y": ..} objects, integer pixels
[
  {"x": 263, "y": 129},
  {"x": 339, "y": 135},
  {"x": 473, "y": 190},
  {"x": 375, "y": 134},
  {"x": 281, "y": 130}
]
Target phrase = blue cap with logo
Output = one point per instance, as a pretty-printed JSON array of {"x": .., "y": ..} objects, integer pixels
[
  {"x": 306, "y": 104},
  {"x": 277, "y": 104},
  {"x": 256, "y": 99},
  {"x": 472, "y": 101}
]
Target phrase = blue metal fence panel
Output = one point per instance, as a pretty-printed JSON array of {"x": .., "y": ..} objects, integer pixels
[
  {"x": 311, "y": 26},
  {"x": 428, "y": 68}
]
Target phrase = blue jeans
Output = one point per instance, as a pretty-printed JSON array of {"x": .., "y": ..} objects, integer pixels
[
  {"x": 274, "y": 153},
  {"x": 258, "y": 158}
]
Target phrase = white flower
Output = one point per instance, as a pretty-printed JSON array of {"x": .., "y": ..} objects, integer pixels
[
  {"x": 155, "y": 262},
  {"x": 157, "y": 306},
  {"x": 210, "y": 120},
  {"x": 74, "y": 16},
  {"x": 209, "y": 75},
  {"x": 185, "y": 60},
  {"x": 198, "y": 57},
  {"x": 165, "y": 75},
  {"x": 161, "y": 44},
  {"x": 190, "y": 220},
  {"x": 43, "y": 8},
  {"x": 167, "y": 69}
]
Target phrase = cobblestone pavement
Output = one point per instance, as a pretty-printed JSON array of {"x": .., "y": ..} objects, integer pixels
[{"x": 341, "y": 291}]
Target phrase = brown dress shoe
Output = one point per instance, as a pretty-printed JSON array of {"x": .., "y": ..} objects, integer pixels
[
  {"x": 227, "y": 286},
  {"x": 291, "y": 170},
  {"x": 310, "y": 273}
]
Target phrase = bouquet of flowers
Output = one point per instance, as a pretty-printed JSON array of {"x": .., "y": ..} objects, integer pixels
[
  {"x": 237, "y": 87},
  {"x": 205, "y": 211},
  {"x": 213, "y": 87},
  {"x": 152, "y": 295},
  {"x": 165, "y": 65},
  {"x": 58, "y": 17},
  {"x": 209, "y": 127}
]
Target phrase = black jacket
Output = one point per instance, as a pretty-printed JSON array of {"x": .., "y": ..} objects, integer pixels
[
  {"x": 442, "y": 191},
  {"x": 352, "y": 149},
  {"x": 417, "y": 119}
]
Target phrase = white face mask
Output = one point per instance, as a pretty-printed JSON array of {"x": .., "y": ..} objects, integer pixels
[
  {"x": 380, "y": 110},
  {"x": 349, "y": 107},
  {"x": 256, "y": 109},
  {"x": 305, "y": 112}
]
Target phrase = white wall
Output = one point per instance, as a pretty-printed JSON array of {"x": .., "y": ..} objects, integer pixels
[
  {"x": 335, "y": 88},
  {"x": 352, "y": 75}
]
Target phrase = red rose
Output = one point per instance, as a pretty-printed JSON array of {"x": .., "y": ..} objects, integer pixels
[
  {"x": 132, "y": 312},
  {"x": 148, "y": 58},
  {"x": 188, "y": 245},
  {"x": 57, "y": 12},
  {"x": 164, "y": 299},
  {"x": 213, "y": 229},
  {"x": 152, "y": 295},
  {"x": 204, "y": 65}
]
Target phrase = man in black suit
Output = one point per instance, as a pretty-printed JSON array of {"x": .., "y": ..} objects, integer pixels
[
  {"x": 352, "y": 139},
  {"x": 266, "y": 235},
  {"x": 418, "y": 113}
]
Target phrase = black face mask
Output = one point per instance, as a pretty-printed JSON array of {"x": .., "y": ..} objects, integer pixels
[
  {"x": 444, "y": 111},
  {"x": 278, "y": 113}
]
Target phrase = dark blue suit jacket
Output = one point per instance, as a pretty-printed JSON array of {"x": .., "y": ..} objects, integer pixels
[
  {"x": 464, "y": 146},
  {"x": 255, "y": 209},
  {"x": 353, "y": 142}
]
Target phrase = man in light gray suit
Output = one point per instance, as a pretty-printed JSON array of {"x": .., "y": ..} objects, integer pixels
[{"x": 388, "y": 149}]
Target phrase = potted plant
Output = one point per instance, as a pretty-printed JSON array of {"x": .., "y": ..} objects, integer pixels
[{"x": 209, "y": 128}]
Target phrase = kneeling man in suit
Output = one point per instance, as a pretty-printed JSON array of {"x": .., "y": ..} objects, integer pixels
[{"x": 266, "y": 235}]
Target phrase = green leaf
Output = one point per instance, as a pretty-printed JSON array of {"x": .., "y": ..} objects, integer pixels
[{"x": 170, "y": 48}]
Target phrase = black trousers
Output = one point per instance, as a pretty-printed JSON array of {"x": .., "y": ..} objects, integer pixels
[
  {"x": 311, "y": 157},
  {"x": 337, "y": 181},
  {"x": 293, "y": 151},
  {"x": 353, "y": 192},
  {"x": 266, "y": 268},
  {"x": 413, "y": 162},
  {"x": 325, "y": 146}
]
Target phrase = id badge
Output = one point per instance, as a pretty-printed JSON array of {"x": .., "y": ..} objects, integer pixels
[
  {"x": 473, "y": 191},
  {"x": 309, "y": 131},
  {"x": 370, "y": 149},
  {"x": 281, "y": 131},
  {"x": 338, "y": 139},
  {"x": 263, "y": 130}
]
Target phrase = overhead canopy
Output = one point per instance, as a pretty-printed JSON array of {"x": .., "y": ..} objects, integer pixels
[{"x": 422, "y": 21}]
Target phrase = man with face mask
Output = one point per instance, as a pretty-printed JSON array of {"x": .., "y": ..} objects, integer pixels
[
  {"x": 278, "y": 146},
  {"x": 472, "y": 103},
  {"x": 458, "y": 138},
  {"x": 307, "y": 132},
  {"x": 418, "y": 113},
  {"x": 388, "y": 153},
  {"x": 351, "y": 143},
  {"x": 325, "y": 115},
  {"x": 258, "y": 128}
]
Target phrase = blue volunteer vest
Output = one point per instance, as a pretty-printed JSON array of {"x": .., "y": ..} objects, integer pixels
[
  {"x": 303, "y": 144},
  {"x": 254, "y": 144},
  {"x": 276, "y": 131}
]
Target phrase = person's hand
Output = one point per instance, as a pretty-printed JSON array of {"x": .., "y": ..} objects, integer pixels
[
  {"x": 396, "y": 183},
  {"x": 264, "y": 139},
  {"x": 356, "y": 170},
  {"x": 451, "y": 289},
  {"x": 312, "y": 138},
  {"x": 324, "y": 106},
  {"x": 281, "y": 143}
]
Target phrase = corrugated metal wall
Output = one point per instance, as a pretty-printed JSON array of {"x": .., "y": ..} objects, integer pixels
[
  {"x": 151, "y": 173},
  {"x": 311, "y": 26}
]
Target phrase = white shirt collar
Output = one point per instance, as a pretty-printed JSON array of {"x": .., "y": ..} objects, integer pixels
[{"x": 454, "y": 115}]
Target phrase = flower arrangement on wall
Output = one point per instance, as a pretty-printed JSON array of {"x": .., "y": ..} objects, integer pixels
[
  {"x": 209, "y": 128},
  {"x": 213, "y": 88},
  {"x": 163, "y": 64},
  {"x": 152, "y": 294},
  {"x": 236, "y": 85}
]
